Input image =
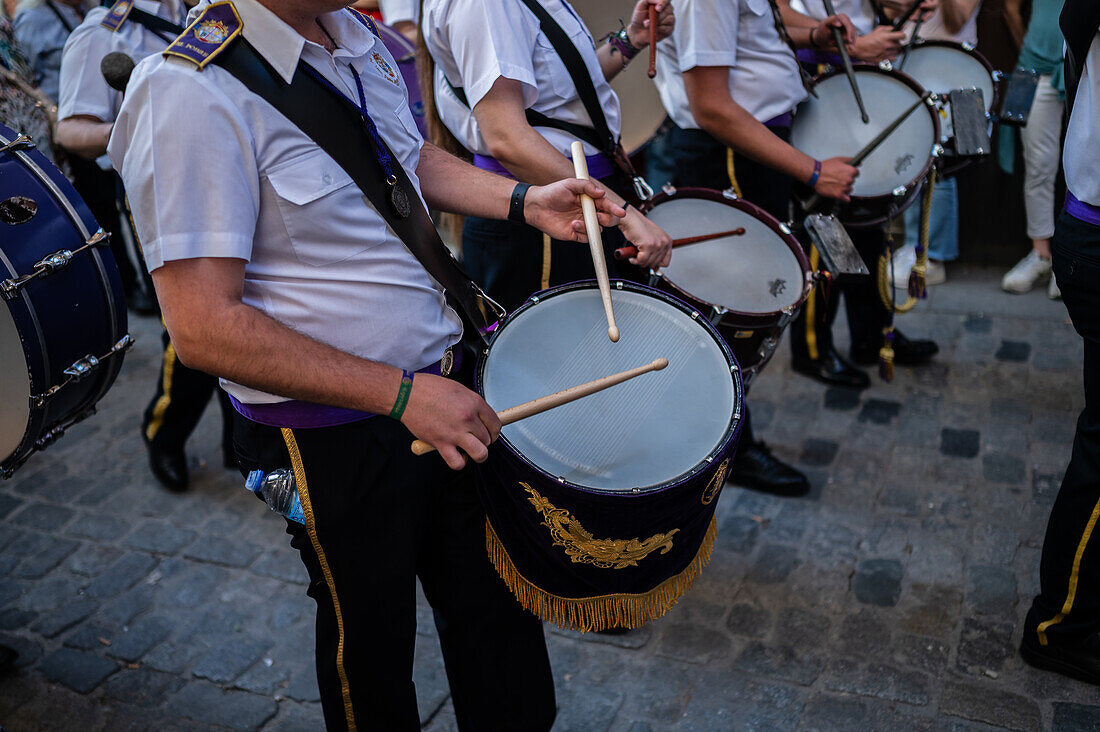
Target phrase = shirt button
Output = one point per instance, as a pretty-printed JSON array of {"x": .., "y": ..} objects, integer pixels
[{"x": 326, "y": 179}]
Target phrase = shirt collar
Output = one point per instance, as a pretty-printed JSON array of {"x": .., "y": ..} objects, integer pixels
[
  {"x": 281, "y": 46},
  {"x": 173, "y": 10}
]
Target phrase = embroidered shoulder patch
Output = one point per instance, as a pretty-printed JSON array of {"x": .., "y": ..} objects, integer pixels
[
  {"x": 117, "y": 15},
  {"x": 210, "y": 34}
]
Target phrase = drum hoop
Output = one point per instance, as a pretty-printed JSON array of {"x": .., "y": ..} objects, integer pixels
[
  {"x": 745, "y": 206},
  {"x": 916, "y": 88},
  {"x": 728, "y": 438},
  {"x": 994, "y": 102}
]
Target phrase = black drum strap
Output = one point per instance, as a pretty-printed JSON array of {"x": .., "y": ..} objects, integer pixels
[
  {"x": 166, "y": 29},
  {"x": 781, "y": 29}
]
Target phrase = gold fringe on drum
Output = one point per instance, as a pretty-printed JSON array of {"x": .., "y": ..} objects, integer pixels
[{"x": 604, "y": 611}]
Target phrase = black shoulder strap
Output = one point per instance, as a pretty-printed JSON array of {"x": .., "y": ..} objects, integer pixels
[
  {"x": 338, "y": 129},
  {"x": 63, "y": 20},
  {"x": 166, "y": 29}
]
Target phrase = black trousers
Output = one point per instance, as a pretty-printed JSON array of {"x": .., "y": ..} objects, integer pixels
[
  {"x": 377, "y": 518},
  {"x": 514, "y": 261},
  {"x": 1068, "y": 605},
  {"x": 180, "y": 398}
]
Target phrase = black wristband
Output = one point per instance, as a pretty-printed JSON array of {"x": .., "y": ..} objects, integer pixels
[{"x": 515, "y": 207}]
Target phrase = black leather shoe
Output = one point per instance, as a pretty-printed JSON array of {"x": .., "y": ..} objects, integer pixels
[
  {"x": 1079, "y": 661},
  {"x": 832, "y": 368},
  {"x": 756, "y": 468},
  {"x": 141, "y": 304},
  {"x": 906, "y": 352},
  {"x": 8, "y": 657},
  {"x": 169, "y": 467}
]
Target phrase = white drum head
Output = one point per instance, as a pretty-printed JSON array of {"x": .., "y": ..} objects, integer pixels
[
  {"x": 941, "y": 69},
  {"x": 15, "y": 387},
  {"x": 643, "y": 433},
  {"x": 830, "y": 125},
  {"x": 642, "y": 111},
  {"x": 753, "y": 273}
]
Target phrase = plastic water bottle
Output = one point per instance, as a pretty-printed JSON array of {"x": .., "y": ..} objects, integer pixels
[{"x": 279, "y": 490}]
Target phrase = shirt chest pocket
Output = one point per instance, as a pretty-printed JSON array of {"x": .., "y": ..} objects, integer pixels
[
  {"x": 322, "y": 209},
  {"x": 758, "y": 8},
  {"x": 550, "y": 63}
]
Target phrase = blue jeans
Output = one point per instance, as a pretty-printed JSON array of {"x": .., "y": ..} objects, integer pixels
[{"x": 943, "y": 224}]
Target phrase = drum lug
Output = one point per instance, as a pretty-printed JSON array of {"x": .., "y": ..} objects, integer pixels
[
  {"x": 50, "y": 264},
  {"x": 899, "y": 191},
  {"x": 785, "y": 228},
  {"x": 19, "y": 143},
  {"x": 618, "y": 285},
  {"x": 668, "y": 189},
  {"x": 885, "y": 65},
  {"x": 642, "y": 189},
  {"x": 998, "y": 75},
  {"x": 730, "y": 194},
  {"x": 937, "y": 150},
  {"x": 80, "y": 369}
]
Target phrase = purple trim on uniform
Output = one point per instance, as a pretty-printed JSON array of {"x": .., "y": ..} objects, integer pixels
[
  {"x": 1082, "y": 211},
  {"x": 301, "y": 415},
  {"x": 599, "y": 166},
  {"x": 810, "y": 56},
  {"x": 783, "y": 120}
]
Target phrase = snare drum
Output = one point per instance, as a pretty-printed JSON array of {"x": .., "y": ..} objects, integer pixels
[
  {"x": 749, "y": 286},
  {"x": 829, "y": 125},
  {"x": 404, "y": 53},
  {"x": 63, "y": 330},
  {"x": 600, "y": 512}
]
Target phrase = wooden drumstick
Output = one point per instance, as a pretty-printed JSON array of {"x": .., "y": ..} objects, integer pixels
[
  {"x": 632, "y": 251},
  {"x": 652, "y": 71},
  {"x": 838, "y": 38},
  {"x": 595, "y": 241},
  {"x": 557, "y": 399}
]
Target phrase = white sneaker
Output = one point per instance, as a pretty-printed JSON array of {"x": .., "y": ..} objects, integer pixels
[
  {"x": 1052, "y": 290},
  {"x": 904, "y": 259},
  {"x": 1028, "y": 272},
  {"x": 935, "y": 273}
]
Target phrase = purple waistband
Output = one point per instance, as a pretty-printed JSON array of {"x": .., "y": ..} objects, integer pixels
[
  {"x": 783, "y": 120},
  {"x": 299, "y": 415},
  {"x": 1082, "y": 211},
  {"x": 599, "y": 166},
  {"x": 811, "y": 56}
]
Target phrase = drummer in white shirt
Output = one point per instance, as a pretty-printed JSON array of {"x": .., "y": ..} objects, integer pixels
[{"x": 488, "y": 73}]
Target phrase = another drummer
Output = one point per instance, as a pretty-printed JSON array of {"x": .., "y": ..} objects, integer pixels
[
  {"x": 490, "y": 75},
  {"x": 87, "y": 112},
  {"x": 729, "y": 82}
]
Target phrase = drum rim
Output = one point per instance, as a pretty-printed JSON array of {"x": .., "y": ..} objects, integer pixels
[
  {"x": 912, "y": 184},
  {"x": 734, "y": 201},
  {"x": 922, "y": 43},
  {"x": 729, "y": 437}
]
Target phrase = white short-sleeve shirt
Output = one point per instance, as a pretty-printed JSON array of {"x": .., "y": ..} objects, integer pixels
[
  {"x": 476, "y": 42},
  {"x": 859, "y": 12},
  {"x": 741, "y": 34},
  {"x": 1081, "y": 154},
  {"x": 933, "y": 29},
  {"x": 212, "y": 170},
  {"x": 395, "y": 11}
]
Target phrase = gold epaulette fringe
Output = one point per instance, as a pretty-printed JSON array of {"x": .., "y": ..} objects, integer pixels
[{"x": 604, "y": 611}]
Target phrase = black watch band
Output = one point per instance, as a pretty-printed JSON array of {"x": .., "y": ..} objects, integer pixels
[{"x": 515, "y": 207}]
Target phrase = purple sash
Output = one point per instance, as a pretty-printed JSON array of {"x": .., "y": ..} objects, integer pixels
[
  {"x": 599, "y": 167},
  {"x": 1082, "y": 211}
]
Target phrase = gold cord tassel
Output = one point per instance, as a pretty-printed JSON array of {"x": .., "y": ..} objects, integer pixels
[
  {"x": 605, "y": 611},
  {"x": 886, "y": 355},
  {"x": 917, "y": 278}
]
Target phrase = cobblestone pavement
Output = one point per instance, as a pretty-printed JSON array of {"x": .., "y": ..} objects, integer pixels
[{"x": 890, "y": 598}]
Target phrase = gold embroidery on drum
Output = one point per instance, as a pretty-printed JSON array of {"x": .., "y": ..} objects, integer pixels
[
  {"x": 581, "y": 547},
  {"x": 715, "y": 483}
]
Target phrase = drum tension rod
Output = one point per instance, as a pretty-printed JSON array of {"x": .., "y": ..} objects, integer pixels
[
  {"x": 20, "y": 143},
  {"x": 50, "y": 264},
  {"x": 80, "y": 369}
]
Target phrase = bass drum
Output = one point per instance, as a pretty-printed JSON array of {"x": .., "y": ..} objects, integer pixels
[
  {"x": 642, "y": 111},
  {"x": 749, "y": 285},
  {"x": 63, "y": 330},
  {"x": 829, "y": 125},
  {"x": 404, "y": 53},
  {"x": 601, "y": 512}
]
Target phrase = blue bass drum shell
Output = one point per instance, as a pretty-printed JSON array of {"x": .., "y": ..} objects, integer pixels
[{"x": 76, "y": 311}]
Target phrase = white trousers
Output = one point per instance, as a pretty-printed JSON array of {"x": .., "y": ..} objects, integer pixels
[{"x": 1042, "y": 138}]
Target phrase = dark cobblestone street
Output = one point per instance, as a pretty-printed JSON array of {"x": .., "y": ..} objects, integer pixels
[{"x": 891, "y": 598}]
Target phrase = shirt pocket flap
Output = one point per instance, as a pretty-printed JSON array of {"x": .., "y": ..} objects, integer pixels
[
  {"x": 307, "y": 178},
  {"x": 759, "y": 7}
]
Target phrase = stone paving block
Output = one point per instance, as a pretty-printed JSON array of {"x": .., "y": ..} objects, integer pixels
[
  {"x": 1013, "y": 351},
  {"x": 803, "y": 628},
  {"x": 833, "y": 541},
  {"x": 738, "y": 534},
  {"x": 922, "y": 653},
  {"x": 878, "y": 582},
  {"x": 129, "y": 718},
  {"x": 56, "y": 707},
  {"x": 991, "y": 705},
  {"x": 130, "y": 568},
  {"x": 879, "y": 411},
  {"x": 1001, "y": 468},
  {"x": 229, "y": 660},
  {"x": 48, "y": 594},
  {"x": 59, "y": 620},
  {"x": 142, "y": 687},
  {"x": 992, "y": 590},
  {"x": 43, "y": 517},
  {"x": 901, "y": 499},
  {"x": 128, "y": 605},
  {"x": 790, "y": 524},
  {"x": 841, "y": 399},
  {"x": 863, "y": 635},
  {"x": 748, "y": 621},
  {"x": 782, "y": 662},
  {"x": 1044, "y": 487},
  {"x": 94, "y": 635},
  {"x": 692, "y": 643},
  {"x": 296, "y": 717},
  {"x": 984, "y": 645},
  {"x": 879, "y": 680},
  {"x": 818, "y": 452},
  {"x": 978, "y": 323},
  {"x": 303, "y": 686},
  {"x": 12, "y": 618},
  {"x": 172, "y": 657},
  {"x": 90, "y": 560},
  {"x": 282, "y": 564},
  {"x": 430, "y": 678},
  {"x": 222, "y": 551},
  {"x": 98, "y": 527},
  {"x": 8, "y": 503},
  {"x": 834, "y": 714},
  {"x": 593, "y": 710},
  {"x": 198, "y": 584},
  {"x": 208, "y": 703},
  {"x": 773, "y": 564},
  {"x": 1056, "y": 428},
  {"x": 995, "y": 545},
  {"x": 136, "y": 640},
  {"x": 160, "y": 537},
  {"x": 42, "y": 561},
  {"x": 29, "y": 650},
  {"x": 81, "y": 672},
  {"x": 1075, "y": 717},
  {"x": 960, "y": 443}
]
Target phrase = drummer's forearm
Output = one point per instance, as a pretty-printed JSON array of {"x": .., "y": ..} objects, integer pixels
[
  {"x": 84, "y": 136},
  {"x": 956, "y": 12},
  {"x": 794, "y": 19},
  {"x": 611, "y": 60}
]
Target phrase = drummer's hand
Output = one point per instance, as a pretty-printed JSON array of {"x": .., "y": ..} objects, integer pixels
[
  {"x": 654, "y": 245},
  {"x": 822, "y": 34},
  {"x": 928, "y": 7},
  {"x": 450, "y": 418},
  {"x": 881, "y": 44},
  {"x": 556, "y": 209},
  {"x": 639, "y": 33},
  {"x": 836, "y": 179}
]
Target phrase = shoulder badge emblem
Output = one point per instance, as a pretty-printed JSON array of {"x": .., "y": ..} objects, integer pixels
[
  {"x": 385, "y": 69},
  {"x": 210, "y": 34},
  {"x": 117, "y": 15},
  {"x": 212, "y": 31}
]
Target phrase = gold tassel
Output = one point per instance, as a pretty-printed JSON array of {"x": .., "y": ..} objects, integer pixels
[
  {"x": 604, "y": 611},
  {"x": 917, "y": 287},
  {"x": 886, "y": 356}
]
